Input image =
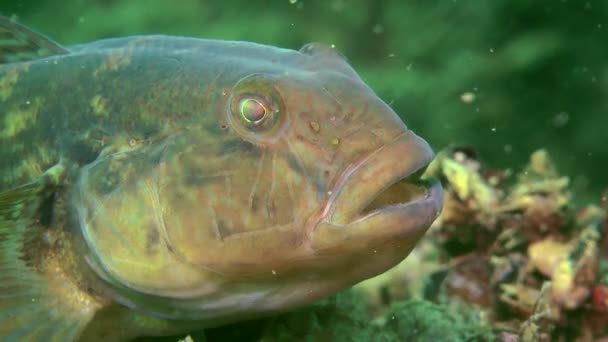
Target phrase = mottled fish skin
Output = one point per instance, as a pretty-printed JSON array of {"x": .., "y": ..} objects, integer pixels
[{"x": 171, "y": 204}]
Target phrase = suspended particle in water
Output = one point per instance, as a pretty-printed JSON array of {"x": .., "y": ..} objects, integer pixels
[
  {"x": 378, "y": 29},
  {"x": 293, "y": 1},
  {"x": 561, "y": 119},
  {"x": 467, "y": 97}
]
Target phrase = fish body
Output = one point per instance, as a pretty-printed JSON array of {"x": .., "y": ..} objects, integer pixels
[{"x": 152, "y": 185}]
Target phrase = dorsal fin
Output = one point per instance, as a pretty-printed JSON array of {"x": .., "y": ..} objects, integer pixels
[{"x": 19, "y": 44}]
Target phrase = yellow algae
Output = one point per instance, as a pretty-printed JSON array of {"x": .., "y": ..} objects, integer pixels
[
  {"x": 116, "y": 60},
  {"x": 9, "y": 79},
  {"x": 99, "y": 105},
  {"x": 21, "y": 118}
]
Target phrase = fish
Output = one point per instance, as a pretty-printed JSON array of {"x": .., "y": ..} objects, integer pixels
[{"x": 151, "y": 185}]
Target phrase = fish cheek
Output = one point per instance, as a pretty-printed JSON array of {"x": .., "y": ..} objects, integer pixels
[
  {"x": 117, "y": 201},
  {"x": 220, "y": 224}
]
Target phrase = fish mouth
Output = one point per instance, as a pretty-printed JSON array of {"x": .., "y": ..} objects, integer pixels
[
  {"x": 383, "y": 196},
  {"x": 402, "y": 192}
]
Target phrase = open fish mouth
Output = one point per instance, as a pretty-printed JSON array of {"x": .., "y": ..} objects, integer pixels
[
  {"x": 382, "y": 197},
  {"x": 403, "y": 192}
]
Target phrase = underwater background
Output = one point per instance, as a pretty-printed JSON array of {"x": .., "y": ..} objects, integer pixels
[{"x": 507, "y": 77}]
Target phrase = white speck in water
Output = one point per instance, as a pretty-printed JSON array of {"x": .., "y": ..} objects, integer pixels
[
  {"x": 391, "y": 55},
  {"x": 81, "y": 20},
  {"x": 333, "y": 46},
  {"x": 274, "y": 272},
  {"x": 378, "y": 29},
  {"x": 27, "y": 102},
  {"x": 561, "y": 119},
  {"x": 491, "y": 50},
  {"x": 493, "y": 129},
  {"x": 508, "y": 148},
  {"x": 293, "y": 1},
  {"x": 467, "y": 97},
  {"x": 329, "y": 193},
  {"x": 409, "y": 66}
]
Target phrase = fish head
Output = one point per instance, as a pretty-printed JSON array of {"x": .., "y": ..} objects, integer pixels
[{"x": 300, "y": 182}]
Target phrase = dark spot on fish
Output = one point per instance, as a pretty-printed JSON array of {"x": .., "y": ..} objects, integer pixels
[
  {"x": 222, "y": 230},
  {"x": 270, "y": 208},
  {"x": 239, "y": 146},
  {"x": 295, "y": 165},
  {"x": 152, "y": 239},
  {"x": 169, "y": 247},
  {"x": 45, "y": 216},
  {"x": 254, "y": 203},
  {"x": 198, "y": 178},
  {"x": 83, "y": 152},
  {"x": 104, "y": 185},
  {"x": 298, "y": 168}
]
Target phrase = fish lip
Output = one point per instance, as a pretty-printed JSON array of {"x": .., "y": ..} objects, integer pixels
[
  {"x": 429, "y": 206},
  {"x": 401, "y": 159}
]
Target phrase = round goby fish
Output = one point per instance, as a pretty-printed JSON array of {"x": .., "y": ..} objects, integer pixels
[{"x": 152, "y": 185}]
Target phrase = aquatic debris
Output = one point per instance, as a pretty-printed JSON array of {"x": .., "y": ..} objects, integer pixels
[
  {"x": 512, "y": 245},
  {"x": 536, "y": 255}
]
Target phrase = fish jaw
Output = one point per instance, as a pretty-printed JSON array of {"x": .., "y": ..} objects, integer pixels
[{"x": 380, "y": 202}]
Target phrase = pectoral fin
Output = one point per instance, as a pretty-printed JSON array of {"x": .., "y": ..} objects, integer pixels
[{"x": 40, "y": 300}]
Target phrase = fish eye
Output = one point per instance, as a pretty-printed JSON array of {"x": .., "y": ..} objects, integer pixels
[
  {"x": 252, "y": 110},
  {"x": 255, "y": 108}
]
